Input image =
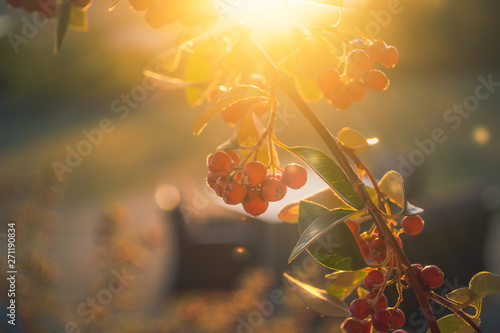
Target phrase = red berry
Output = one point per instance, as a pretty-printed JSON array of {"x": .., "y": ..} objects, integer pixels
[
  {"x": 220, "y": 183},
  {"x": 355, "y": 88},
  {"x": 432, "y": 276},
  {"x": 398, "y": 318},
  {"x": 399, "y": 331},
  {"x": 353, "y": 225},
  {"x": 253, "y": 173},
  {"x": 234, "y": 193},
  {"x": 368, "y": 327},
  {"x": 389, "y": 57},
  {"x": 220, "y": 163},
  {"x": 328, "y": 81},
  {"x": 30, "y": 5},
  {"x": 140, "y": 5},
  {"x": 376, "y": 80},
  {"x": 400, "y": 242},
  {"x": 48, "y": 8},
  {"x": 382, "y": 303},
  {"x": 234, "y": 156},
  {"x": 211, "y": 179},
  {"x": 374, "y": 279},
  {"x": 294, "y": 176},
  {"x": 360, "y": 308},
  {"x": 233, "y": 113},
  {"x": 272, "y": 189},
  {"x": 341, "y": 99},
  {"x": 254, "y": 204},
  {"x": 358, "y": 63},
  {"x": 375, "y": 47},
  {"x": 358, "y": 44},
  {"x": 364, "y": 247},
  {"x": 378, "y": 249},
  {"x": 382, "y": 321},
  {"x": 412, "y": 225},
  {"x": 351, "y": 325}
]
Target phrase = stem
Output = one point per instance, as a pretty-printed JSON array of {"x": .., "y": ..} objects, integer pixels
[
  {"x": 331, "y": 141},
  {"x": 457, "y": 311}
]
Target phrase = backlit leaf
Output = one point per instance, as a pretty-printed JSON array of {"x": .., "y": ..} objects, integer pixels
[
  {"x": 232, "y": 96},
  {"x": 308, "y": 89},
  {"x": 62, "y": 23},
  {"x": 78, "y": 19},
  {"x": 326, "y": 168},
  {"x": 485, "y": 283},
  {"x": 354, "y": 140},
  {"x": 454, "y": 324},
  {"x": 308, "y": 213},
  {"x": 392, "y": 186},
  {"x": 249, "y": 133},
  {"x": 171, "y": 83},
  {"x": 318, "y": 299},
  {"x": 345, "y": 283}
]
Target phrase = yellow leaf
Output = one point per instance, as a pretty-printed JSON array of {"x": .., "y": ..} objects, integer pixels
[
  {"x": 308, "y": 89},
  {"x": 171, "y": 83},
  {"x": 352, "y": 139}
]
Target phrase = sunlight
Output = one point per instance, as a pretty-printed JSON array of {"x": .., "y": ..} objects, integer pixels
[{"x": 267, "y": 14}]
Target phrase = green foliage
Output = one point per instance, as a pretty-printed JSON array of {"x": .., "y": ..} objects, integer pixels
[
  {"x": 392, "y": 186},
  {"x": 344, "y": 283},
  {"x": 326, "y": 168}
]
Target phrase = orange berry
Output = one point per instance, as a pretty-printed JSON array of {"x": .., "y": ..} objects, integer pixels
[
  {"x": 234, "y": 156},
  {"x": 341, "y": 99},
  {"x": 234, "y": 193},
  {"x": 375, "y": 47},
  {"x": 272, "y": 189},
  {"x": 389, "y": 57},
  {"x": 358, "y": 63},
  {"x": 358, "y": 44},
  {"x": 254, "y": 204},
  {"x": 211, "y": 179},
  {"x": 353, "y": 225},
  {"x": 253, "y": 173},
  {"x": 48, "y": 8},
  {"x": 328, "y": 81},
  {"x": 294, "y": 176},
  {"x": 376, "y": 80},
  {"x": 233, "y": 113},
  {"x": 220, "y": 163},
  {"x": 162, "y": 14},
  {"x": 355, "y": 88},
  {"x": 220, "y": 184},
  {"x": 412, "y": 225}
]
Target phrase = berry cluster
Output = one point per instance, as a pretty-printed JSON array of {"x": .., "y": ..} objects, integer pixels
[
  {"x": 341, "y": 90},
  {"x": 188, "y": 12},
  {"x": 45, "y": 8},
  {"x": 372, "y": 310},
  {"x": 249, "y": 184}
]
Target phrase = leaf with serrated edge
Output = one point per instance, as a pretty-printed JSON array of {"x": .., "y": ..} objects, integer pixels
[
  {"x": 485, "y": 283},
  {"x": 319, "y": 227},
  {"x": 326, "y": 168},
  {"x": 392, "y": 185},
  {"x": 454, "y": 324},
  {"x": 318, "y": 299},
  {"x": 345, "y": 283},
  {"x": 232, "y": 96}
]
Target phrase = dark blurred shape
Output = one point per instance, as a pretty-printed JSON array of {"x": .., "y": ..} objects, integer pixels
[{"x": 214, "y": 252}]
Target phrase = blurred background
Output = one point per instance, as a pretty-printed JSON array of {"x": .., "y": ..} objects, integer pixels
[{"x": 133, "y": 241}]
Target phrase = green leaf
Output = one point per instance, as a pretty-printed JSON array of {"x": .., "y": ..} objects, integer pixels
[
  {"x": 318, "y": 299},
  {"x": 392, "y": 185},
  {"x": 325, "y": 197},
  {"x": 345, "y": 283},
  {"x": 338, "y": 249},
  {"x": 308, "y": 213},
  {"x": 354, "y": 140},
  {"x": 330, "y": 172},
  {"x": 232, "y": 96},
  {"x": 62, "y": 24},
  {"x": 454, "y": 324},
  {"x": 466, "y": 296},
  {"x": 484, "y": 283}
]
